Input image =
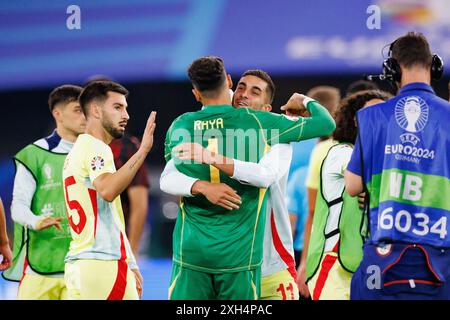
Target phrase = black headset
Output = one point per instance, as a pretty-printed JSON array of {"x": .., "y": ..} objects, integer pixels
[{"x": 392, "y": 71}]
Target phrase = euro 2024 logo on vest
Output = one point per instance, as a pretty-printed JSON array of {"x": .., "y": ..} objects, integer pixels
[{"x": 411, "y": 114}]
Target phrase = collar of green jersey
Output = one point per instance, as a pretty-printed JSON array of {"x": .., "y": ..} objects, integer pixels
[{"x": 217, "y": 108}]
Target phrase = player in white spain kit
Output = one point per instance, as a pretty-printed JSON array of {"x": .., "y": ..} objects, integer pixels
[
  {"x": 255, "y": 90},
  {"x": 100, "y": 263}
]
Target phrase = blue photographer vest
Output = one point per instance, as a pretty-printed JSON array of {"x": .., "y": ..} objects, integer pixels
[{"x": 404, "y": 145}]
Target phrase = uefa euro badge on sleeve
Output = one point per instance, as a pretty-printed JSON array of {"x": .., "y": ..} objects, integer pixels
[{"x": 97, "y": 163}]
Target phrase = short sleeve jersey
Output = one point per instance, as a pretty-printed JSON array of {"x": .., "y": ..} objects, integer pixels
[{"x": 97, "y": 226}]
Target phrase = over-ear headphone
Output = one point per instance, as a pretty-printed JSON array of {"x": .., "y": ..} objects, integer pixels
[
  {"x": 392, "y": 71},
  {"x": 437, "y": 67}
]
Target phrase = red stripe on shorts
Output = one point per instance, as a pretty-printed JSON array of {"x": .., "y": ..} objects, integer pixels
[
  {"x": 118, "y": 290},
  {"x": 282, "y": 251},
  {"x": 25, "y": 265},
  {"x": 327, "y": 264}
]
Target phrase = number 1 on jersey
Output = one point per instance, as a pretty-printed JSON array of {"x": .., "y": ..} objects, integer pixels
[{"x": 214, "y": 172}]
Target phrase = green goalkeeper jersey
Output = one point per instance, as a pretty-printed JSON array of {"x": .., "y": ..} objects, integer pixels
[{"x": 208, "y": 237}]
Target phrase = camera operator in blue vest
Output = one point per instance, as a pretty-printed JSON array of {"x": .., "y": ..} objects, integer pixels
[{"x": 401, "y": 160}]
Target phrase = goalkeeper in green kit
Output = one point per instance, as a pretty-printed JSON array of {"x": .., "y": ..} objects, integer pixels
[{"x": 218, "y": 236}]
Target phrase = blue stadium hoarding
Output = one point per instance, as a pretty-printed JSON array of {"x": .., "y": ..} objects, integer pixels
[{"x": 145, "y": 40}]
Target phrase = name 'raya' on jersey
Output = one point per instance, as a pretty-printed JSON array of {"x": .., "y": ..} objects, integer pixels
[{"x": 210, "y": 238}]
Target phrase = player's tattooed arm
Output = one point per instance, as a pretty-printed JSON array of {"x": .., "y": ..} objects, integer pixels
[
  {"x": 111, "y": 185},
  {"x": 137, "y": 161}
]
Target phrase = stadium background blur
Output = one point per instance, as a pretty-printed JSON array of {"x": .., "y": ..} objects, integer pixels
[{"x": 147, "y": 45}]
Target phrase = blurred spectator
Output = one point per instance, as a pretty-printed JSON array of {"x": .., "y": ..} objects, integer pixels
[{"x": 301, "y": 151}]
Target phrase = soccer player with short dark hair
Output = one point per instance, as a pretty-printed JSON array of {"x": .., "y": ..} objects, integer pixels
[
  {"x": 335, "y": 246},
  {"x": 100, "y": 263},
  {"x": 255, "y": 90},
  {"x": 217, "y": 247},
  {"x": 41, "y": 231}
]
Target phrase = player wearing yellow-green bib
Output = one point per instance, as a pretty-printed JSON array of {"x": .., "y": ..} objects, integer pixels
[
  {"x": 335, "y": 248},
  {"x": 217, "y": 253},
  {"x": 41, "y": 229}
]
